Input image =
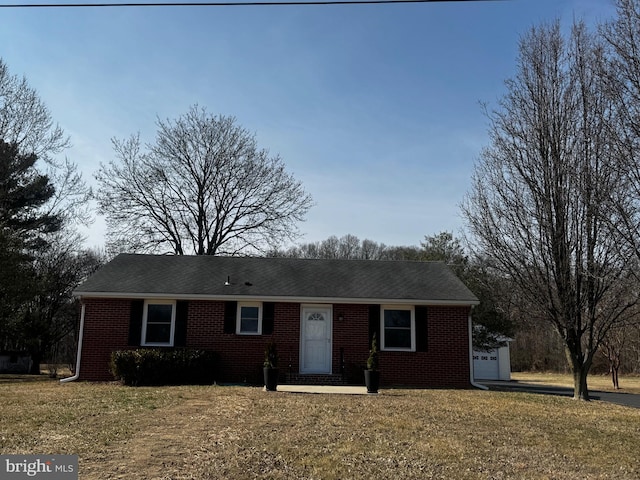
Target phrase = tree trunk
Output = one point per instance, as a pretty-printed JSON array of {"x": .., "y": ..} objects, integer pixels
[
  {"x": 36, "y": 359},
  {"x": 581, "y": 369},
  {"x": 614, "y": 376},
  {"x": 580, "y": 390}
]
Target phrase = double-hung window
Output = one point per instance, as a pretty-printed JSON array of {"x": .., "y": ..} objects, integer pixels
[
  {"x": 398, "y": 327},
  {"x": 249, "y": 318},
  {"x": 158, "y": 323}
]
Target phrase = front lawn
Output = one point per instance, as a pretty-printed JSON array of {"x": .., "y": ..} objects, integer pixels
[{"x": 243, "y": 432}]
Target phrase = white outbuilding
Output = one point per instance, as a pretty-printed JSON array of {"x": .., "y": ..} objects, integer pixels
[{"x": 492, "y": 365}]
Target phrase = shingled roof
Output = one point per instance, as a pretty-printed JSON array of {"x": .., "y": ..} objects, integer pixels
[{"x": 208, "y": 277}]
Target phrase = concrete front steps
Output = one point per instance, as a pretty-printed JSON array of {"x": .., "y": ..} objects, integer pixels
[{"x": 315, "y": 379}]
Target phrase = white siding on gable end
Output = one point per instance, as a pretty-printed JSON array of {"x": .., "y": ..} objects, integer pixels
[{"x": 492, "y": 365}]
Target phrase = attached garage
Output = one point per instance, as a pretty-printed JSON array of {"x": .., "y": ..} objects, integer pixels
[{"x": 492, "y": 365}]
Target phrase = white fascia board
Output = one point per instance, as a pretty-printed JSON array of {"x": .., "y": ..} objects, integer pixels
[{"x": 285, "y": 299}]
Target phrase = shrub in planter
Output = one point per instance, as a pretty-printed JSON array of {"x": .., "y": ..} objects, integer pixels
[
  {"x": 371, "y": 374},
  {"x": 148, "y": 366},
  {"x": 271, "y": 367}
]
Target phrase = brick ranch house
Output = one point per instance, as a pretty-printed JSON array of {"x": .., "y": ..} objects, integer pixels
[{"x": 322, "y": 315}]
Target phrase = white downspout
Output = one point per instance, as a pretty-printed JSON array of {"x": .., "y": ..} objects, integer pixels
[
  {"x": 477, "y": 385},
  {"x": 79, "y": 354}
]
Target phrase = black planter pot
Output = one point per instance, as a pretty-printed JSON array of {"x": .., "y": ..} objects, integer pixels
[
  {"x": 270, "y": 378},
  {"x": 372, "y": 380}
]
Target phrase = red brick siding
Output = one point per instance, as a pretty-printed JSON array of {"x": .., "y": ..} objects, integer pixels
[
  {"x": 352, "y": 335},
  {"x": 241, "y": 356},
  {"x": 446, "y": 361},
  {"x": 106, "y": 328},
  {"x": 445, "y": 364}
]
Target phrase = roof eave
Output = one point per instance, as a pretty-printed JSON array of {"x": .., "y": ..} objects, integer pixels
[{"x": 288, "y": 299}]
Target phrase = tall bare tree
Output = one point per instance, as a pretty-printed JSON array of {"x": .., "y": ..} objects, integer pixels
[
  {"x": 538, "y": 208},
  {"x": 622, "y": 37},
  {"x": 25, "y": 120},
  {"x": 202, "y": 187}
]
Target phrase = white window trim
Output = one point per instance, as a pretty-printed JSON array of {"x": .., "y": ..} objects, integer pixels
[
  {"x": 239, "y": 313},
  {"x": 144, "y": 342},
  {"x": 412, "y": 309}
]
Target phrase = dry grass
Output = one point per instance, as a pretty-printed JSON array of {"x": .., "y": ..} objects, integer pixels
[
  {"x": 241, "y": 432},
  {"x": 628, "y": 384}
]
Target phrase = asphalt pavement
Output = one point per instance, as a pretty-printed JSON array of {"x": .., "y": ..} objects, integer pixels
[{"x": 620, "y": 398}]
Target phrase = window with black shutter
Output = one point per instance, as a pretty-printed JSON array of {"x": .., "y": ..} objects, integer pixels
[
  {"x": 397, "y": 325},
  {"x": 249, "y": 318},
  {"x": 158, "y": 323}
]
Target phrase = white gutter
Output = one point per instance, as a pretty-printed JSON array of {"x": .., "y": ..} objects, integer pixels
[
  {"x": 263, "y": 298},
  {"x": 77, "y": 375},
  {"x": 477, "y": 385}
]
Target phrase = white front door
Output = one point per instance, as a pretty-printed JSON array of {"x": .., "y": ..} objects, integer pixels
[{"x": 315, "y": 341}]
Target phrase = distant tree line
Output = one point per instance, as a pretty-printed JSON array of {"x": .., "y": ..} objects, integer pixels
[{"x": 349, "y": 247}]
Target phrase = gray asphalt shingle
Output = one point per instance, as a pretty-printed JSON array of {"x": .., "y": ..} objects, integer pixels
[{"x": 205, "y": 276}]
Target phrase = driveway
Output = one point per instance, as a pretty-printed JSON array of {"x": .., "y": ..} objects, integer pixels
[{"x": 625, "y": 399}]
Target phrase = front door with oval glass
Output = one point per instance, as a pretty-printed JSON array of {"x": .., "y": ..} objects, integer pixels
[{"x": 315, "y": 345}]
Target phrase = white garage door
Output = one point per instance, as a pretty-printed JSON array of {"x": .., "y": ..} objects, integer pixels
[{"x": 486, "y": 365}]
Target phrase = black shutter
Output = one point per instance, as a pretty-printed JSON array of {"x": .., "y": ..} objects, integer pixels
[
  {"x": 374, "y": 323},
  {"x": 268, "y": 309},
  {"x": 230, "y": 309},
  {"x": 180, "y": 333},
  {"x": 135, "y": 322},
  {"x": 422, "y": 336}
]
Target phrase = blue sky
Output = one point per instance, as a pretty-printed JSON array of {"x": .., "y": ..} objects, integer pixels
[{"x": 375, "y": 108}]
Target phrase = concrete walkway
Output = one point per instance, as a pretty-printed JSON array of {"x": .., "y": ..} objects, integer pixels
[{"x": 340, "y": 390}]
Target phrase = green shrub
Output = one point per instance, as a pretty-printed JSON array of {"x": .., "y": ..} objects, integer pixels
[
  {"x": 271, "y": 355},
  {"x": 372, "y": 361},
  {"x": 163, "y": 366}
]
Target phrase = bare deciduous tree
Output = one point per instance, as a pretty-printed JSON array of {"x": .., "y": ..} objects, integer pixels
[
  {"x": 202, "y": 187},
  {"x": 51, "y": 315},
  {"x": 25, "y": 120},
  {"x": 538, "y": 208},
  {"x": 612, "y": 347},
  {"x": 622, "y": 37}
]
